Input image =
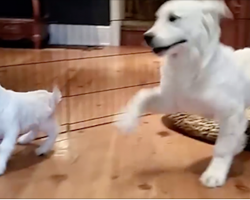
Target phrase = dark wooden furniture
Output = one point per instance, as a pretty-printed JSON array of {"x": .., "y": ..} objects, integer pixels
[
  {"x": 235, "y": 33},
  {"x": 34, "y": 28}
]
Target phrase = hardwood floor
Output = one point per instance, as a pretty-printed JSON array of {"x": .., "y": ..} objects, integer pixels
[{"x": 90, "y": 158}]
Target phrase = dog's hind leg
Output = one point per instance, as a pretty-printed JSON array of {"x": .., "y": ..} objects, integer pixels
[
  {"x": 27, "y": 137},
  {"x": 231, "y": 141},
  {"x": 51, "y": 128},
  {"x": 7, "y": 146},
  {"x": 146, "y": 100}
]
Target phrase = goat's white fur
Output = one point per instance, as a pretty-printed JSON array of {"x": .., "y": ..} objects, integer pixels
[
  {"x": 26, "y": 113},
  {"x": 201, "y": 76}
]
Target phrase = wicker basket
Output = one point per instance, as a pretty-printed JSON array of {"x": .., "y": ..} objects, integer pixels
[{"x": 196, "y": 126}]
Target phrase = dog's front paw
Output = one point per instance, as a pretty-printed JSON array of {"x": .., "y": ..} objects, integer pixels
[
  {"x": 213, "y": 178},
  {"x": 2, "y": 168},
  {"x": 24, "y": 139},
  {"x": 126, "y": 122},
  {"x": 40, "y": 151}
]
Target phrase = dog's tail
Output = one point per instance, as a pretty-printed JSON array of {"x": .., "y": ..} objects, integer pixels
[{"x": 56, "y": 96}]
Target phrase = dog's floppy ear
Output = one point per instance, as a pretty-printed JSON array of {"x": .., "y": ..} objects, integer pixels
[{"x": 217, "y": 7}]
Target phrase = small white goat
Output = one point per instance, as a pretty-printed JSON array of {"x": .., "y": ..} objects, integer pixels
[{"x": 29, "y": 113}]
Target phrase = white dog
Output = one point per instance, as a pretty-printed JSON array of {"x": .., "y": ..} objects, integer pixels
[
  {"x": 200, "y": 76},
  {"x": 29, "y": 113}
]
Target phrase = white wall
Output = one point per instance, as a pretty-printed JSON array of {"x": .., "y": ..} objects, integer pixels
[{"x": 91, "y": 35}]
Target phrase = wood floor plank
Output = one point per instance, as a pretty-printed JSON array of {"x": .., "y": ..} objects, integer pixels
[
  {"x": 107, "y": 73},
  {"x": 98, "y": 105},
  {"x": 33, "y": 77},
  {"x": 27, "y": 56}
]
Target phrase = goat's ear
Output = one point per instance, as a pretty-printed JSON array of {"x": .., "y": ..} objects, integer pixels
[{"x": 218, "y": 7}]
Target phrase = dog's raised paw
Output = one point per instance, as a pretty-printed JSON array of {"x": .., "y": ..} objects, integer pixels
[
  {"x": 212, "y": 178},
  {"x": 2, "y": 169},
  {"x": 40, "y": 151},
  {"x": 126, "y": 123},
  {"x": 23, "y": 140}
]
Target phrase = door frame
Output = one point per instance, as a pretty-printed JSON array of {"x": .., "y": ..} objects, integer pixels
[{"x": 117, "y": 10}]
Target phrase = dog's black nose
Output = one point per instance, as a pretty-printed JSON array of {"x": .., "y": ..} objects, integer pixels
[{"x": 148, "y": 37}]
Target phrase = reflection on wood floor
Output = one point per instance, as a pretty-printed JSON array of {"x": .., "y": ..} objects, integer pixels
[{"x": 91, "y": 159}]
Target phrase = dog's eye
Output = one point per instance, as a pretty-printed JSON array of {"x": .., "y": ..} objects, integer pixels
[{"x": 173, "y": 17}]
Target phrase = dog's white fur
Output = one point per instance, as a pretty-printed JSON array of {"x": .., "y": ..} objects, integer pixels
[
  {"x": 201, "y": 76},
  {"x": 26, "y": 113}
]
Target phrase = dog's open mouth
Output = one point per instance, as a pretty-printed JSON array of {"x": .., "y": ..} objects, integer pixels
[{"x": 158, "y": 50}]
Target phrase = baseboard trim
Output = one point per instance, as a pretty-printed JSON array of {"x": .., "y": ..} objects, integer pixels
[{"x": 79, "y": 35}]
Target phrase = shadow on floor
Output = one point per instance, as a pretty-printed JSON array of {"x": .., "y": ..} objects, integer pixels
[{"x": 25, "y": 158}]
